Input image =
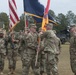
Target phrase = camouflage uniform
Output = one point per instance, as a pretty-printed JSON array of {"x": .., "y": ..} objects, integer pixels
[
  {"x": 50, "y": 52},
  {"x": 12, "y": 53},
  {"x": 22, "y": 43},
  {"x": 58, "y": 48},
  {"x": 73, "y": 53},
  {"x": 22, "y": 47},
  {"x": 73, "y": 49},
  {"x": 6, "y": 43},
  {"x": 29, "y": 54},
  {"x": 42, "y": 58},
  {"x": 2, "y": 54}
]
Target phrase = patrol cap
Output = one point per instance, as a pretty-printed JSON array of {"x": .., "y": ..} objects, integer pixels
[
  {"x": 49, "y": 24},
  {"x": 33, "y": 25}
]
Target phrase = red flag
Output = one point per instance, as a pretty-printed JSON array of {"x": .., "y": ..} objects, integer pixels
[
  {"x": 45, "y": 17},
  {"x": 14, "y": 19}
]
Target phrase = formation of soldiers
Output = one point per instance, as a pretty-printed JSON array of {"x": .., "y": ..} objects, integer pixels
[{"x": 38, "y": 50}]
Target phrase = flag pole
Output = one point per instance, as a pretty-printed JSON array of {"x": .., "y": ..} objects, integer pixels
[{"x": 24, "y": 16}]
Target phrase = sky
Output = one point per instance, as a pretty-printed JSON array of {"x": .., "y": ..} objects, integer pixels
[{"x": 58, "y": 6}]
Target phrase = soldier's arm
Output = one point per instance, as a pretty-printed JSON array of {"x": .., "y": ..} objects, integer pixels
[{"x": 71, "y": 45}]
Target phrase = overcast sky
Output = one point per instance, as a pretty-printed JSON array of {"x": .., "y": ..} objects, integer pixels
[{"x": 58, "y": 6}]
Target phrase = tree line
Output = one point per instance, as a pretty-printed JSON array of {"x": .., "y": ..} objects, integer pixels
[{"x": 63, "y": 20}]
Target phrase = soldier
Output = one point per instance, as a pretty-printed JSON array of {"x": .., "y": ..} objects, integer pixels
[
  {"x": 73, "y": 49},
  {"x": 6, "y": 43},
  {"x": 30, "y": 52},
  {"x": 58, "y": 47},
  {"x": 2, "y": 53},
  {"x": 22, "y": 43},
  {"x": 50, "y": 50},
  {"x": 12, "y": 52}
]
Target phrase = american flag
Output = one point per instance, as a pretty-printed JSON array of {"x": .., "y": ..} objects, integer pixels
[{"x": 14, "y": 19}]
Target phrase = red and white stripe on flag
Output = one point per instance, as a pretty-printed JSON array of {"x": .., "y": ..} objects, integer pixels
[{"x": 14, "y": 19}]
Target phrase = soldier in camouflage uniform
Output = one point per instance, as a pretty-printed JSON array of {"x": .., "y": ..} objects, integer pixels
[
  {"x": 12, "y": 52},
  {"x": 58, "y": 47},
  {"x": 30, "y": 52},
  {"x": 50, "y": 50},
  {"x": 22, "y": 37},
  {"x": 2, "y": 53},
  {"x": 6, "y": 43},
  {"x": 22, "y": 43},
  {"x": 73, "y": 48}
]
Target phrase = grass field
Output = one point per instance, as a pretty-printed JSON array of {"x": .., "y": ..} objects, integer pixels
[{"x": 64, "y": 63}]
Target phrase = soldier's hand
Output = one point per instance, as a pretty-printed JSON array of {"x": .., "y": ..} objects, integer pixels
[{"x": 41, "y": 33}]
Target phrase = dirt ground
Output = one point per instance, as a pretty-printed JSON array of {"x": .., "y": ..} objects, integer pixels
[{"x": 64, "y": 63}]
